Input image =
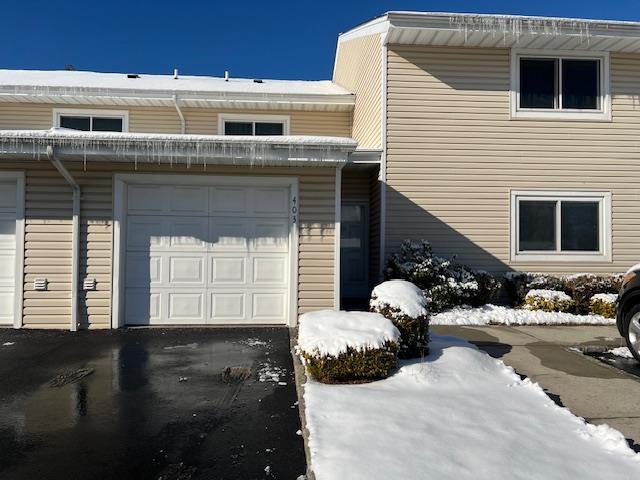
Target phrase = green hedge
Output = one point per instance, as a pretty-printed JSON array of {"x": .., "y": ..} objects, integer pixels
[{"x": 414, "y": 331}]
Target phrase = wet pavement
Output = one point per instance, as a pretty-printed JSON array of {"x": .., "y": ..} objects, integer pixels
[
  {"x": 148, "y": 404},
  {"x": 629, "y": 365}
]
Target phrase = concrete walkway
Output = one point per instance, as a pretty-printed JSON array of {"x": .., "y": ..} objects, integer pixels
[{"x": 589, "y": 388}]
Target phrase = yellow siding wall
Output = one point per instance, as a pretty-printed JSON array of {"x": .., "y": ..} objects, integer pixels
[
  {"x": 165, "y": 120},
  {"x": 48, "y": 237},
  {"x": 454, "y": 155},
  {"x": 359, "y": 68}
]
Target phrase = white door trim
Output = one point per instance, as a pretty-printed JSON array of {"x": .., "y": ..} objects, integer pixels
[
  {"x": 18, "y": 292},
  {"x": 121, "y": 181}
]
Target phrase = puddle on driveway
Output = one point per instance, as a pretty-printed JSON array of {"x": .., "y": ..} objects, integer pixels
[
  {"x": 628, "y": 365},
  {"x": 120, "y": 410}
]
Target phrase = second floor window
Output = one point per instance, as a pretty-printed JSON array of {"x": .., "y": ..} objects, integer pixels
[
  {"x": 255, "y": 125},
  {"x": 91, "y": 121},
  {"x": 561, "y": 86}
]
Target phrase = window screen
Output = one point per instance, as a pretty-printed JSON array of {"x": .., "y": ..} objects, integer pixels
[
  {"x": 581, "y": 84},
  {"x": 265, "y": 128},
  {"x": 538, "y": 82},
  {"x": 238, "y": 128},
  {"x": 76, "y": 123},
  {"x": 537, "y": 229},
  {"x": 580, "y": 226}
]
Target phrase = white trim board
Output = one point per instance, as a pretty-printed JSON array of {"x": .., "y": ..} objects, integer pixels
[
  {"x": 121, "y": 181},
  {"x": 604, "y": 255},
  {"x": 92, "y": 112}
]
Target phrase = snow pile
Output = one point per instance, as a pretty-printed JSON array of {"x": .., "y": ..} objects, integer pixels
[
  {"x": 605, "y": 297},
  {"x": 623, "y": 352},
  {"x": 459, "y": 415},
  {"x": 553, "y": 295},
  {"x": 498, "y": 315},
  {"x": 401, "y": 295},
  {"x": 330, "y": 333}
]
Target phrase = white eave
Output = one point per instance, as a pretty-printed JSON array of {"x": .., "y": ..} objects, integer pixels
[
  {"x": 192, "y": 150},
  {"x": 501, "y": 31}
]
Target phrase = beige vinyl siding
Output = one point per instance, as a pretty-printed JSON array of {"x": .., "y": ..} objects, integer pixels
[
  {"x": 165, "y": 119},
  {"x": 454, "y": 155},
  {"x": 359, "y": 68},
  {"x": 48, "y": 237}
]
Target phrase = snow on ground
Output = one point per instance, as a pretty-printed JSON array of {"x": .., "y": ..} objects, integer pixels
[
  {"x": 400, "y": 294},
  {"x": 7, "y": 344},
  {"x": 623, "y": 352},
  {"x": 605, "y": 297},
  {"x": 498, "y": 315},
  {"x": 458, "y": 415},
  {"x": 327, "y": 332}
]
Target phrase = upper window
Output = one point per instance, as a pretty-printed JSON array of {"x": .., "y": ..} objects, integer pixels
[
  {"x": 560, "y": 226},
  {"x": 91, "y": 121},
  {"x": 560, "y": 86},
  {"x": 253, "y": 125}
]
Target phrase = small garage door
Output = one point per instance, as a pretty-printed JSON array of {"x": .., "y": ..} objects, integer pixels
[
  {"x": 207, "y": 254},
  {"x": 8, "y": 195}
]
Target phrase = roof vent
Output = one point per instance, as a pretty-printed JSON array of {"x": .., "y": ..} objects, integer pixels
[
  {"x": 257, "y": 80},
  {"x": 133, "y": 75},
  {"x": 175, "y": 73}
]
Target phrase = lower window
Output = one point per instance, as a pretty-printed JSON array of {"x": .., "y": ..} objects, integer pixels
[{"x": 565, "y": 226}]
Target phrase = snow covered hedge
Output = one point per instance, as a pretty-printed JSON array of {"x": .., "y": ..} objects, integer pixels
[
  {"x": 445, "y": 282},
  {"x": 548, "y": 301},
  {"x": 341, "y": 347},
  {"x": 604, "y": 304},
  {"x": 406, "y": 306}
]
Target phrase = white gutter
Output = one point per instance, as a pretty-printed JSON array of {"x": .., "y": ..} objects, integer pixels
[
  {"x": 183, "y": 122},
  {"x": 75, "y": 232}
]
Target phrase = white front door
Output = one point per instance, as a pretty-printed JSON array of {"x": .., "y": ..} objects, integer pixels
[
  {"x": 207, "y": 254},
  {"x": 8, "y": 208}
]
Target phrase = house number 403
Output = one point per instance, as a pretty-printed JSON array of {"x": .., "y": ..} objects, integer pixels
[{"x": 294, "y": 210}]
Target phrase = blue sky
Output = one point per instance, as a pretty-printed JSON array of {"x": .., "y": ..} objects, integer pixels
[{"x": 258, "y": 39}]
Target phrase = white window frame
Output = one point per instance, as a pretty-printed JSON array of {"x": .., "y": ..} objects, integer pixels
[
  {"x": 603, "y": 255},
  {"x": 247, "y": 117},
  {"x": 85, "y": 112},
  {"x": 603, "y": 114}
]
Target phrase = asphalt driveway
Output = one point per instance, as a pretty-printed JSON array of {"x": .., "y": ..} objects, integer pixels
[{"x": 148, "y": 404}]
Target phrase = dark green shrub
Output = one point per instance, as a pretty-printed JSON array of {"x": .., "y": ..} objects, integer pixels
[
  {"x": 414, "y": 331},
  {"x": 445, "y": 282},
  {"x": 583, "y": 287},
  {"x": 353, "y": 366},
  {"x": 518, "y": 284}
]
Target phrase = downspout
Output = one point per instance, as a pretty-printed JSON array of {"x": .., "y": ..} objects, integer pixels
[
  {"x": 75, "y": 232},
  {"x": 183, "y": 122}
]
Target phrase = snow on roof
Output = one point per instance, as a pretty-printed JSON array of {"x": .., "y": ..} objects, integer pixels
[{"x": 143, "y": 82}]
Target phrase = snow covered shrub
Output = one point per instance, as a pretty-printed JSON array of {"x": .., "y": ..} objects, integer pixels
[
  {"x": 584, "y": 286},
  {"x": 604, "y": 304},
  {"x": 406, "y": 306},
  {"x": 445, "y": 282},
  {"x": 343, "y": 347},
  {"x": 518, "y": 284},
  {"x": 548, "y": 301}
]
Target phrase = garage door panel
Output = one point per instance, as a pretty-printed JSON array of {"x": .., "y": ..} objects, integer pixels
[
  {"x": 186, "y": 307},
  {"x": 145, "y": 199},
  {"x": 6, "y": 304},
  {"x": 143, "y": 269},
  {"x": 188, "y": 232},
  {"x": 271, "y": 235},
  {"x": 269, "y": 307},
  {"x": 227, "y": 270},
  {"x": 143, "y": 307},
  {"x": 7, "y": 268},
  {"x": 228, "y": 307},
  {"x": 270, "y": 201},
  {"x": 144, "y": 233},
  {"x": 186, "y": 270},
  {"x": 229, "y": 234},
  {"x": 8, "y": 231},
  {"x": 187, "y": 200},
  {"x": 270, "y": 270},
  {"x": 226, "y": 201},
  {"x": 8, "y": 197}
]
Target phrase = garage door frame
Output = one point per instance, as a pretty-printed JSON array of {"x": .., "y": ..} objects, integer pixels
[
  {"x": 18, "y": 294},
  {"x": 120, "y": 183}
]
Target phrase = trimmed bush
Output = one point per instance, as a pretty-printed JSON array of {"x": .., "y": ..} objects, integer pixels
[
  {"x": 445, "y": 283},
  {"x": 353, "y": 366},
  {"x": 406, "y": 306},
  {"x": 583, "y": 287},
  {"x": 548, "y": 301},
  {"x": 347, "y": 347},
  {"x": 604, "y": 304}
]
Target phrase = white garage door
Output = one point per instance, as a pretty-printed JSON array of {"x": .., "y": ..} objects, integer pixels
[
  {"x": 207, "y": 254},
  {"x": 8, "y": 197}
]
